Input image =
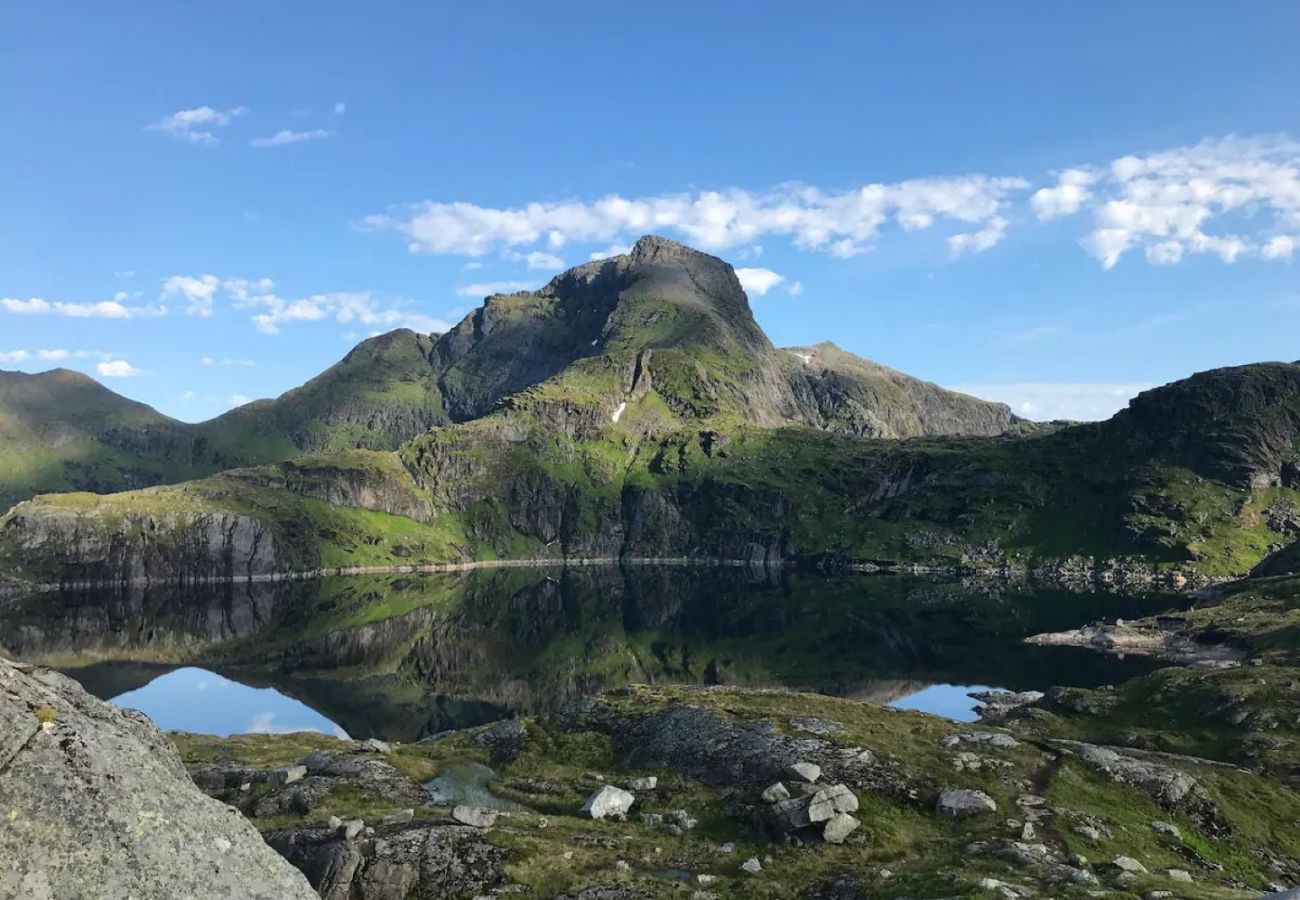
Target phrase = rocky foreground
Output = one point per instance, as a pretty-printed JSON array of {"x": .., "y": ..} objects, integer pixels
[
  {"x": 95, "y": 802},
  {"x": 1181, "y": 783}
]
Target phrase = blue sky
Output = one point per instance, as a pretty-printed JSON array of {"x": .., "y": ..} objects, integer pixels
[{"x": 1049, "y": 204}]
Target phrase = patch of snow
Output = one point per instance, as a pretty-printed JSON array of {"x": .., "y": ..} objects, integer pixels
[
  {"x": 595, "y": 341},
  {"x": 618, "y": 413}
]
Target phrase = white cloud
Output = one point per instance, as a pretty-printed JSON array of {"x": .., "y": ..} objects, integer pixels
[
  {"x": 794, "y": 288},
  {"x": 1066, "y": 198},
  {"x": 1065, "y": 400},
  {"x": 480, "y": 289},
  {"x": 18, "y": 357},
  {"x": 193, "y": 125},
  {"x": 1166, "y": 203},
  {"x": 843, "y": 223},
  {"x": 273, "y": 311},
  {"x": 104, "y": 309},
  {"x": 198, "y": 292},
  {"x": 285, "y": 136},
  {"x": 117, "y": 368},
  {"x": 545, "y": 261},
  {"x": 340, "y": 108},
  {"x": 611, "y": 250},
  {"x": 1281, "y": 246},
  {"x": 758, "y": 281},
  {"x": 188, "y": 397},
  {"x": 241, "y": 363},
  {"x": 978, "y": 241}
]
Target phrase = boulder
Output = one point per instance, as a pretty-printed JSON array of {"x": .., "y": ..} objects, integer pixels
[
  {"x": 962, "y": 804},
  {"x": 375, "y": 745},
  {"x": 839, "y": 827},
  {"x": 648, "y": 783},
  {"x": 95, "y": 795},
  {"x": 804, "y": 771},
  {"x": 776, "y": 793},
  {"x": 1128, "y": 864},
  {"x": 751, "y": 866},
  {"x": 475, "y": 816},
  {"x": 608, "y": 802},
  {"x": 820, "y": 806}
]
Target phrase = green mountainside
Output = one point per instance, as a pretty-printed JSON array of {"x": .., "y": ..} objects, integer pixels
[
  {"x": 587, "y": 338},
  {"x": 633, "y": 407}
]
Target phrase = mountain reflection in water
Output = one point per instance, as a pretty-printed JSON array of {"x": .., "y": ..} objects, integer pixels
[{"x": 403, "y": 657}]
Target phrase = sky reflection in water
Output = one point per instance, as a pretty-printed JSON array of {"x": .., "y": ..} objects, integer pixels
[{"x": 204, "y": 702}]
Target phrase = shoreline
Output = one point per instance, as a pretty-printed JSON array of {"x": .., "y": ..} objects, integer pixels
[{"x": 1107, "y": 573}]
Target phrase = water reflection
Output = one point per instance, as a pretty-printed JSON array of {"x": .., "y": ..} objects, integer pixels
[
  {"x": 403, "y": 657},
  {"x": 190, "y": 699}
]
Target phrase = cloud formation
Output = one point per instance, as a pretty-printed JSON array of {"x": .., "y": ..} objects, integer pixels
[
  {"x": 758, "y": 282},
  {"x": 104, "y": 309},
  {"x": 19, "y": 357},
  {"x": 198, "y": 292},
  {"x": 285, "y": 136},
  {"x": 194, "y": 126},
  {"x": 117, "y": 368},
  {"x": 841, "y": 223},
  {"x": 1232, "y": 197}
]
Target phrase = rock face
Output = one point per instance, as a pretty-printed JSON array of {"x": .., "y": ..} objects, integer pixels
[
  {"x": 97, "y": 803},
  {"x": 400, "y": 863}
]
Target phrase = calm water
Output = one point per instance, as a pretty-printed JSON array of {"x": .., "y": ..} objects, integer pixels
[{"x": 405, "y": 657}]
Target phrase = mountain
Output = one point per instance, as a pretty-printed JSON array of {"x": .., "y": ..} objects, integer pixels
[
  {"x": 61, "y": 430},
  {"x": 664, "y": 319},
  {"x": 633, "y": 408},
  {"x": 383, "y": 393}
]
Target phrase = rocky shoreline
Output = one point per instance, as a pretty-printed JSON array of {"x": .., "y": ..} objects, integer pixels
[{"x": 1071, "y": 574}]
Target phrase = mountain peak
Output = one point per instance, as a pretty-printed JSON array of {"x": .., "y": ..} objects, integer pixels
[{"x": 654, "y": 249}]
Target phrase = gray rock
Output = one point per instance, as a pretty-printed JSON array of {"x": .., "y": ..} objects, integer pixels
[
  {"x": 286, "y": 776},
  {"x": 751, "y": 866},
  {"x": 1167, "y": 785},
  {"x": 475, "y": 816},
  {"x": 608, "y": 802},
  {"x": 504, "y": 741},
  {"x": 401, "y": 817},
  {"x": 1178, "y": 875},
  {"x": 962, "y": 804},
  {"x": 648, "y": 783},
  {"x": 95, "y": 795},
  {"x": 1167, "y": 828},
  {"x": 353, "y": 827},
  {"x": 1128, "y": 864},
  {"x": 375, "y": 745},
  {"x": 436, "y": 861},
  {"x": 775, "y": 793},
  {"x": 839, "y": 827},
  {"x": 819, "y": 806},
  {"x": 804, "y": 771},
  {"x": 682, "y": 819}
]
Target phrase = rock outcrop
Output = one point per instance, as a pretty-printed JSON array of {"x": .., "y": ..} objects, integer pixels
[{"x": 94, "y": 801}]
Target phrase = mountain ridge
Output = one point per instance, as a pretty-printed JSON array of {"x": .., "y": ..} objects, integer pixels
[{"x": 675, "y": 318}]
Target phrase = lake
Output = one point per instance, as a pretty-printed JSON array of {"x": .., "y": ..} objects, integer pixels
[{"x": 404, "y": 657}]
